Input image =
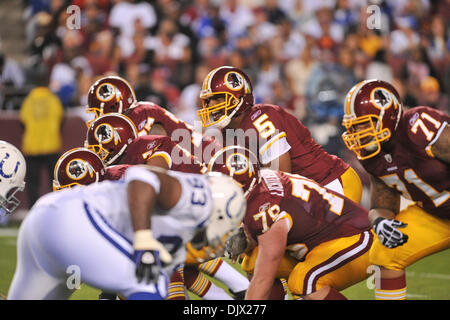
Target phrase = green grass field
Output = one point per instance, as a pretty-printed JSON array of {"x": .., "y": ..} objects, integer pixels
[{"x": 428, "y": 279}]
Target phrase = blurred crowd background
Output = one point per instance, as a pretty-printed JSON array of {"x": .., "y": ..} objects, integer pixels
[{"x": 303, "y": 55}]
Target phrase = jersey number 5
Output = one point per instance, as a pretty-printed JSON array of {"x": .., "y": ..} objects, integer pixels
[{"x": 264, "y": 126}]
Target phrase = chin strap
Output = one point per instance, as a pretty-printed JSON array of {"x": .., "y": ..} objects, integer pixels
[{"x": 226, "y": 121}]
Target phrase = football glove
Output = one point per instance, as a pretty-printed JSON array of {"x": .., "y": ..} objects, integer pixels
[
  {"x": 149, "y": 255},
  {"x": 388, "y": 233},
  {"x": 235, "y": 244}
]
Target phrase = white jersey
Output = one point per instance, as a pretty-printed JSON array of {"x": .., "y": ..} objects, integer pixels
[
  {"x": 90, "y": 227},
  {"x": 173, "y": 228}
]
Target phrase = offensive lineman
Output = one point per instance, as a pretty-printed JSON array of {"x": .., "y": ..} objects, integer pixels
[{"x": 406, "y": 153}]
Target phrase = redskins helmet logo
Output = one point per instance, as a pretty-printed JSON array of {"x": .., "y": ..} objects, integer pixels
[
  {"x": 104, "y": 133},
  {"x": 234, "y": 80},
  {"x": 77, "y": 169},
  {"x": 106, "y": 92},
  {"x": 237, "y": 163},
  {"x": 381, "y": 98}
]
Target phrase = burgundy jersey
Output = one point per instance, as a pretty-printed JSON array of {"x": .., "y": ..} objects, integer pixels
[
  {"x": 315, "y": 214},
  {"x": 146, "y": 147},
  {"x": 410, "y": 168},
  {"x": 116, "y": 172},
  {"x": 146, "y": 114},
  {"x": 277, "y": 132}
]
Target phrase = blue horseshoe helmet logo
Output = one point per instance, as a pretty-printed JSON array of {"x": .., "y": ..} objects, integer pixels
[{"x": 3, "y": 174}]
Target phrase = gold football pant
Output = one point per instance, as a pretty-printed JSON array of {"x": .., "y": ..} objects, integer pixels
[
  {"x": 339, "y": 263},
  {"x": 427, "y": 234}
]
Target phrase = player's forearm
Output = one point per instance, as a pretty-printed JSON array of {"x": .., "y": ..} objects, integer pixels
[
  {"x": 141, "y": 199},
  {"x": 259, "y": 288},
  {"x": 380, "y": 213},
  {"x": 384, "y": 202},
  {"x": 441, "y": 148}
]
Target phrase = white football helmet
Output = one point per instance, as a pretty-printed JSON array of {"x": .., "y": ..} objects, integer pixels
[
  {"x": 12, "y": 175},
  {"x": 228, "y": 211}
]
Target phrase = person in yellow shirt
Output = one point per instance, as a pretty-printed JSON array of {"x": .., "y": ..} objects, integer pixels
[{"x": 41, "y": 114}]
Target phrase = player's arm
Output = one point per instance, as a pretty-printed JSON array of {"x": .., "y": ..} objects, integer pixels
[
  {"x": 145, "y": 189},
  {"x": 158, "y": 161},
  {"x": 272, "y": 245},
  {"x": 441, "y": 148},
  {"x": 157, "y": 129},
  {"x": 282, "y": 163},
  {"x": 384, "y": 201},
  {"x": 384, "y": 206}
]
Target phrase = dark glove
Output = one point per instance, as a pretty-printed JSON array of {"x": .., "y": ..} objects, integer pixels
[
  {"x": 149, "y": 255},
  {"x": 236, "y": 244},
  {"x": 388, "y": 233}
]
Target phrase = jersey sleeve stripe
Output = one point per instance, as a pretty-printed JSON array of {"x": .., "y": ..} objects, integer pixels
[
  {"x": 436, "y": 137},
  {"x": 165, "y": 156}
]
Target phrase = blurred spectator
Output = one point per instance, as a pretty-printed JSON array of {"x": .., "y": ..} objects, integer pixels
[
  {"x": 292, "y": 41},
  {"x": 236, "y": 16},
  {"x": 12, "y": 78},
  {"x": 417, "y": 67},
  {"x": 431, "y": 96},
  {"x": 42, "y": 39},
  {"x": 41, "y": 115},
  {"x": 328, "y": 84},
  {"x": 66, "y": 72},
  {"x": 437, "y": 46},
  {"x": 404, "y": 37},
  {"x": 274, "y": 13},
  {"x": 262, "y": 29},
  {"x": 379, "y": 68},
  {"x": 267, "y": 72},
  {"x": 298, "y": 72},
  {"x": 325, "y": 29},
  {"x": 189, "y": 101},
  {"x": 125, "y": 15},
  {"x": 171, "y": 49}
]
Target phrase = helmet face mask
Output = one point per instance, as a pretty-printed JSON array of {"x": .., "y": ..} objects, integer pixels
[
  {"x": 372, "y": 113},
  {"x": 109, "y": 136},
  {"x": 235, "y": 89},
  {"x": 12, "y": 175},
  {"x": 218, "y": 114},
  {"x": 364, "y": 137}
]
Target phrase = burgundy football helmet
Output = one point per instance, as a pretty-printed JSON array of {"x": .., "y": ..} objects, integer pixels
[
  {"x": 109, "y": 136},
  {"x": 111, "y": 94},
  {"x": 78, "y": 166},
  {"x": 372, "y": 111},
  {"x": 239, "y": 163},
  {"x": 234, "y": 86}
]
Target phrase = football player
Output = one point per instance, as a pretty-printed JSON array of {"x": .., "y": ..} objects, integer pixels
[
  {"x": 12, "y": 174},
  {"x": 316, "y": 238},
  {"x": 81, "y": 166},
  {"x": 279, "y": 139},
  {"x": 113, "y": 94},
  {"x": 114, "y": 138},
  {"x": 406, "y": 154},
  {"x": 112, "y": 235}
]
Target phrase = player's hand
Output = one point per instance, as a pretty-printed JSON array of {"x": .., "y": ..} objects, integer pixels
[
  {"x": 149, "y": 255},
  {"x": 388, "y": 233},
  {"x": 235, "y": 245}
]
